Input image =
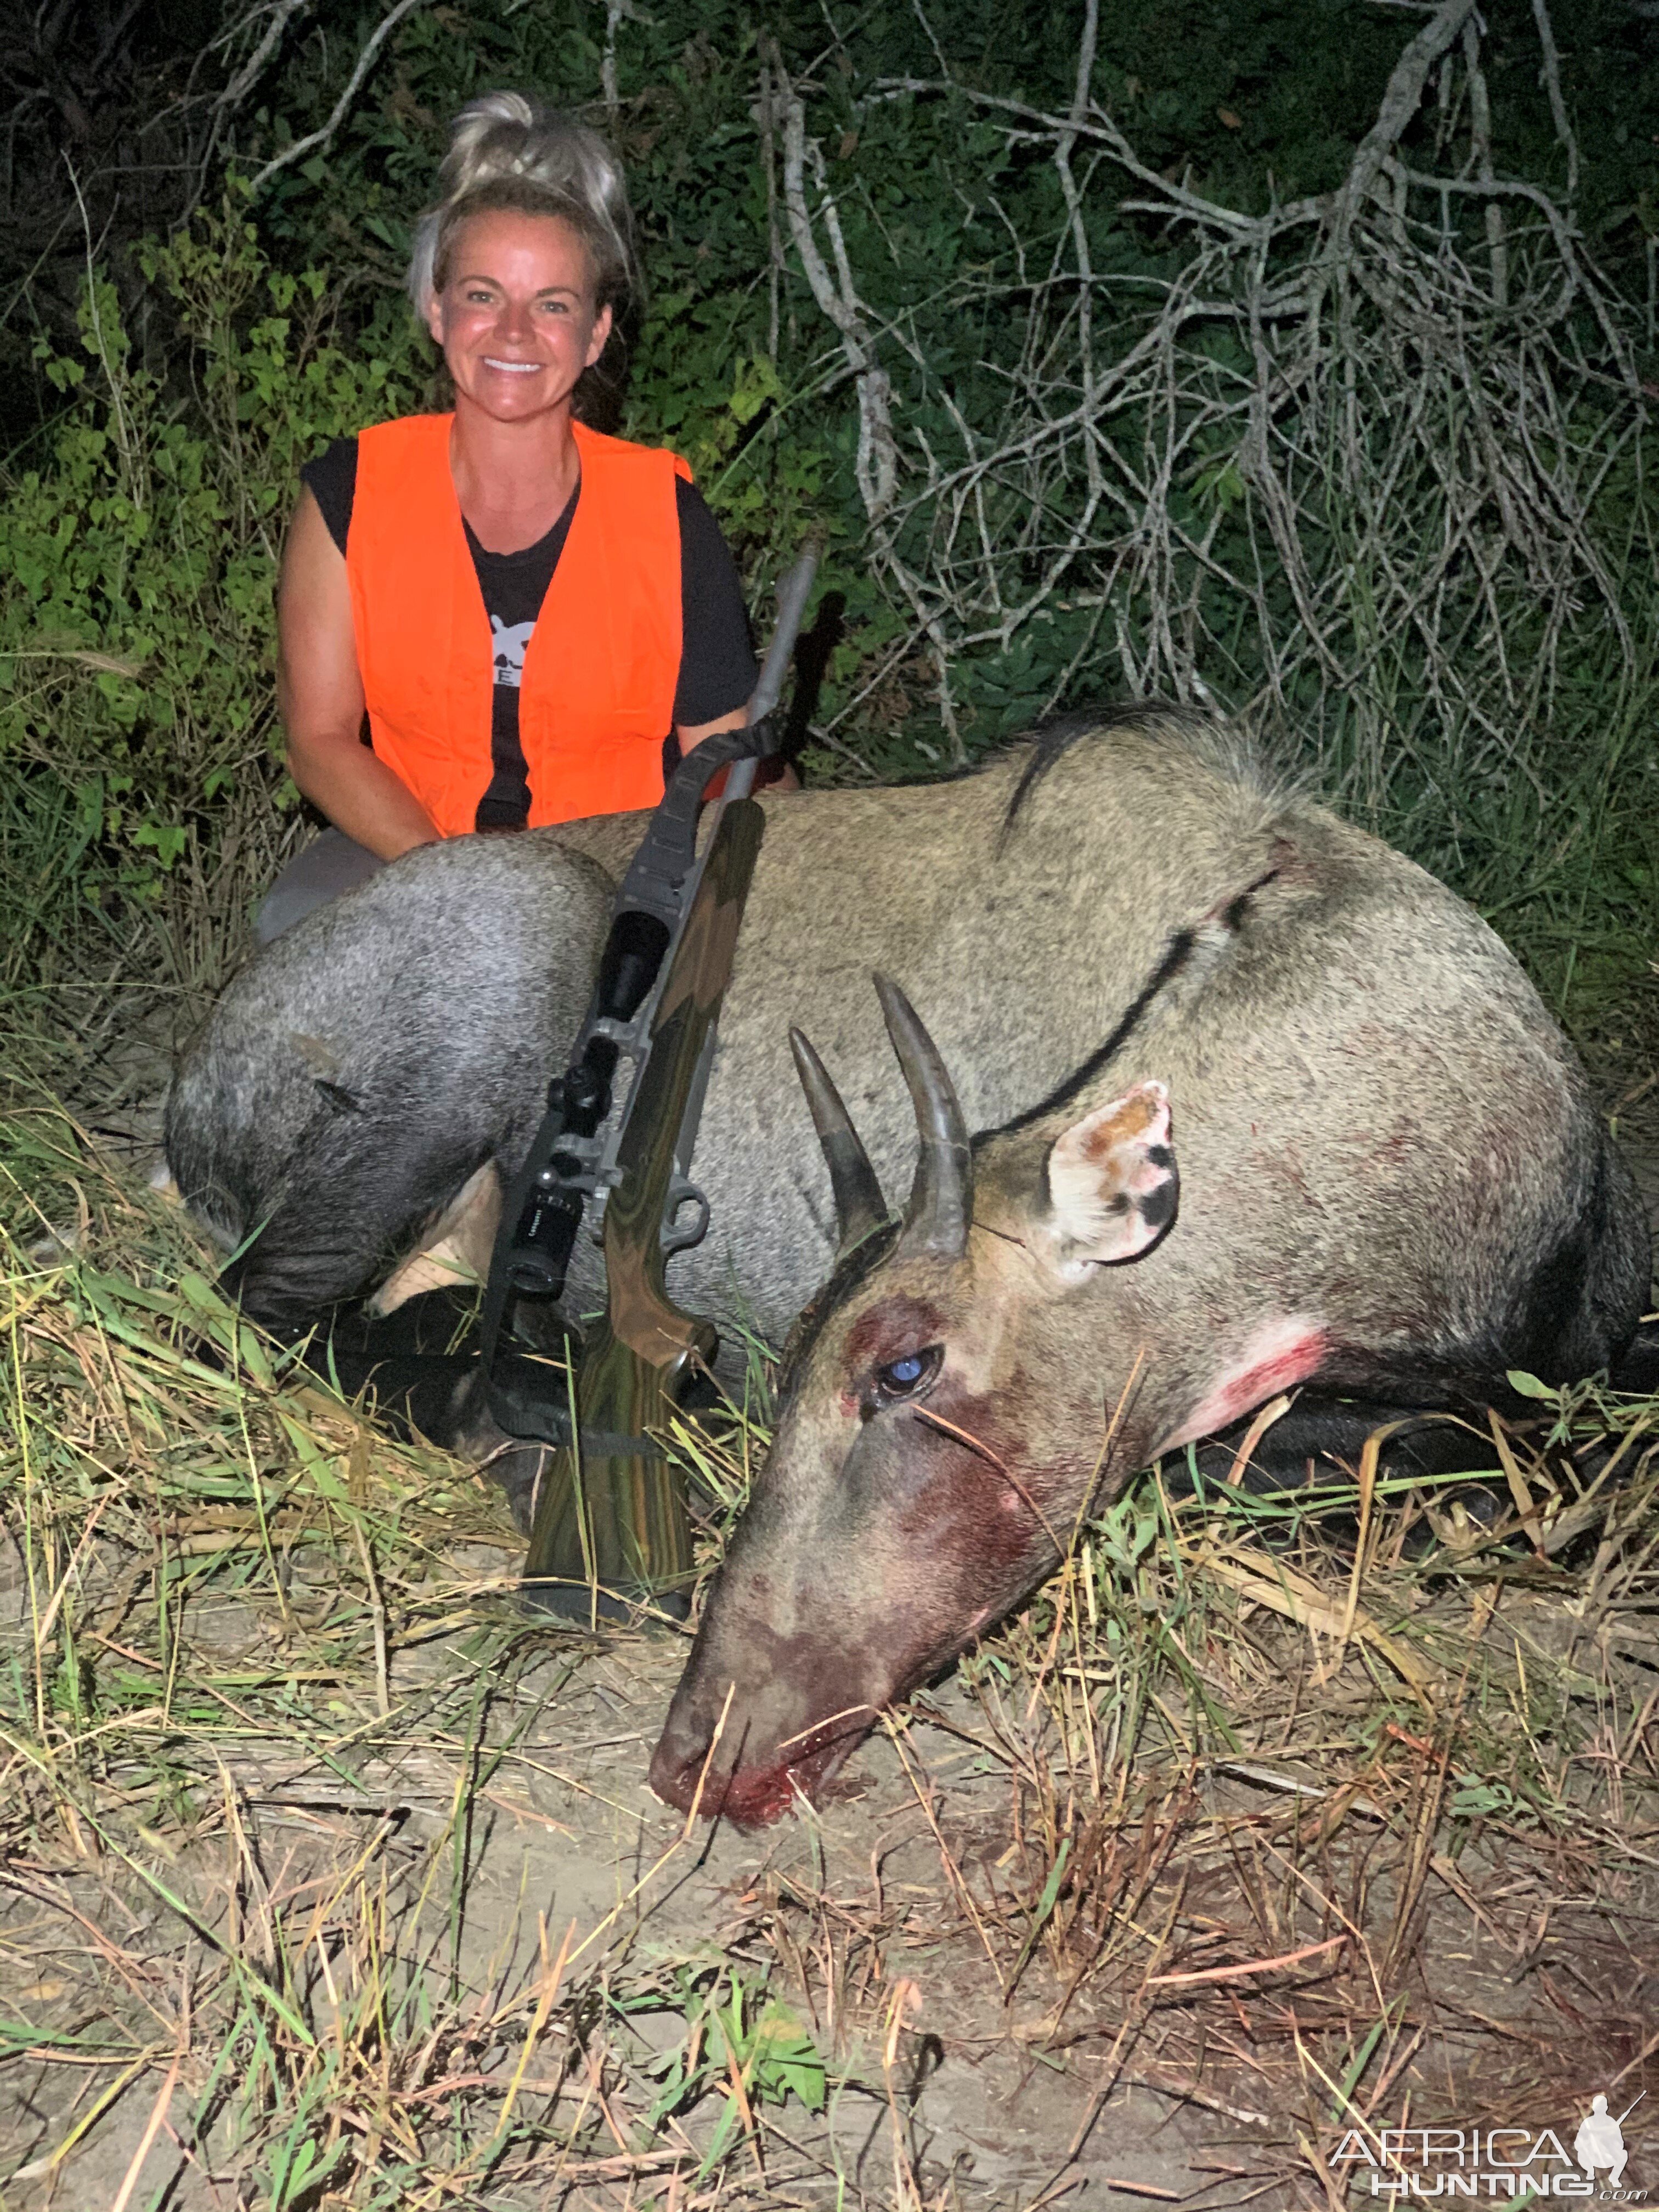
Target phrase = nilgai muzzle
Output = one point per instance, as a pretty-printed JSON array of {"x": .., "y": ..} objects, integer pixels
[{"x": 1138, "y": 960}]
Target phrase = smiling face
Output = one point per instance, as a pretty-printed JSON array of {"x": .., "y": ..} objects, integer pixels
[{"x": 516, "y": 316}]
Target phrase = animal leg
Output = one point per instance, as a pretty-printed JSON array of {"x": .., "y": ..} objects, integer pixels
[{"x": 456, "y": 1249}]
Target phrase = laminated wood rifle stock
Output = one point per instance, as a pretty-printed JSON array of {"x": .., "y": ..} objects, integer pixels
[
  {"x": 611, "y": 1522},
  {"x": 610, "y": 1515}
]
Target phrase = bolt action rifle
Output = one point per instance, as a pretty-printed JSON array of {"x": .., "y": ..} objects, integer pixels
[{"x": 611, "y": 1522}]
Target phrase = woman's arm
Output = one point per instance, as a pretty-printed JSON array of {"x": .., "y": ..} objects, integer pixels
[
  {"x": 320, "y": 695},
  {"x": 780, "y": 779},
  {"x": 717, "y": 666},
  {"x": 689, "y": 738}
]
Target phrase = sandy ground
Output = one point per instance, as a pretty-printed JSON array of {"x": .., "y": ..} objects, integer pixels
[
  {"x": 1528, "y": 1977},
  {"x": 1511, "y": 1986}
]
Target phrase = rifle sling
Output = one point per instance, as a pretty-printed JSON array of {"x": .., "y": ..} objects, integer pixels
[{"x": 528, "y": 1398}]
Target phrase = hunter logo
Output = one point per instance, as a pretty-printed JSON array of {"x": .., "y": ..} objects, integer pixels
[
  {"x": 1525, "y": 2165},
  {"x": 1600, "y": 2141}
]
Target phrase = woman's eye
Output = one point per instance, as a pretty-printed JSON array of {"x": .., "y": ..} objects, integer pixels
[{"x": 904, "y": 1378}]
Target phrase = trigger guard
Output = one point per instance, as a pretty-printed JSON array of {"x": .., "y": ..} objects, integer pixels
[{"x": 681, "y": 1239}]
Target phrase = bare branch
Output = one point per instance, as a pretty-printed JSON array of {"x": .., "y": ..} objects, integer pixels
[
  {"x": 1400, "y": 101},
  {"x": 282, "y": 13},
  {"x": 1552, "y": 68},
  {"x": 1376, "y": 510},
  {"x": 1063, "y": 151},
  {"x": 1481, "y": 135},
  {"x": 616, "y": 12},
  {"x": 1099, "y": 126},
  {"x": 366, "y": 61},
  {"x": 877, "y": 464}
]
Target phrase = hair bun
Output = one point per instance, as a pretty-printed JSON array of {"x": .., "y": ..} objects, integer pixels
[{"x": 506, "y": 151}]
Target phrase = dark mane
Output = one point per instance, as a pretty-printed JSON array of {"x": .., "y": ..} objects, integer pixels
[{"x": 1214, "y": 745}]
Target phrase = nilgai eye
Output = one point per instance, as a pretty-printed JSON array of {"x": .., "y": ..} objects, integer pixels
[{"x": 904, "y": 1378}]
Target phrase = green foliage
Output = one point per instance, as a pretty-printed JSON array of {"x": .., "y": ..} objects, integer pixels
[
  {"x": 1529, "y": 1386},
  {"x": 1475, "y": 1798},
  {"x": 1520, "y": 780},
  {"x": 739, "y": 2041},
  {"x": 137, "y": 615},
  {"x": 142, "y": 807}
]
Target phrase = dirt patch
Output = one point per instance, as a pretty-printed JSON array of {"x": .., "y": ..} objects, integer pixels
[
  {"x": 328, "y": 1879},
  {"x": 1025, "y": 1973}
]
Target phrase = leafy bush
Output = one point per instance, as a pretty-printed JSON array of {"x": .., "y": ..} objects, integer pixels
[
  {"x": 137, "y": 618},
  {"x": 1070, "y": 429}
]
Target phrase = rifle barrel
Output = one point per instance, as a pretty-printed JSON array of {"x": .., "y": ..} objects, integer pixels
[{"x": 791, "y": 608}]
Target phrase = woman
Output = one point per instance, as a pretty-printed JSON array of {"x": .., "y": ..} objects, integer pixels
[{"x": 535, "y": 619}]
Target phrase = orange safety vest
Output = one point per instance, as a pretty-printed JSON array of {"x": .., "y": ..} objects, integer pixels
[{"x": 597, "y": 698}]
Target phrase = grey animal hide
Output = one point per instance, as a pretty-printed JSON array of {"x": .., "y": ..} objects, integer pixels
[{"x": 1026, "y": 909}]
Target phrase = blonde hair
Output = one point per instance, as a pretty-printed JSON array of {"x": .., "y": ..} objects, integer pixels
[{"x": 507, "y": 153}]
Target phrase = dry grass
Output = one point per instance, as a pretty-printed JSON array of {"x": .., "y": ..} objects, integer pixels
[{"x": 327, "y": 1880}]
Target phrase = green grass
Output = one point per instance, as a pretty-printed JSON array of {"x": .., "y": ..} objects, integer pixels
[
  {"x": 266, "y": 1703},
  {"x": 1209, "y": 1815}
]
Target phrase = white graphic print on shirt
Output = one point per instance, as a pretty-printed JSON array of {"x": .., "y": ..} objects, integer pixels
[{"x": 510, "y": 646}]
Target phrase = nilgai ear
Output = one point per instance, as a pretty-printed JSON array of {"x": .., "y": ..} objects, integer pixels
[{"x": 1112, "y": 1184}]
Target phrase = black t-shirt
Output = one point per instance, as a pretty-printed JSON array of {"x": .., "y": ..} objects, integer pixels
[{"x": 717, "y": 658}]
